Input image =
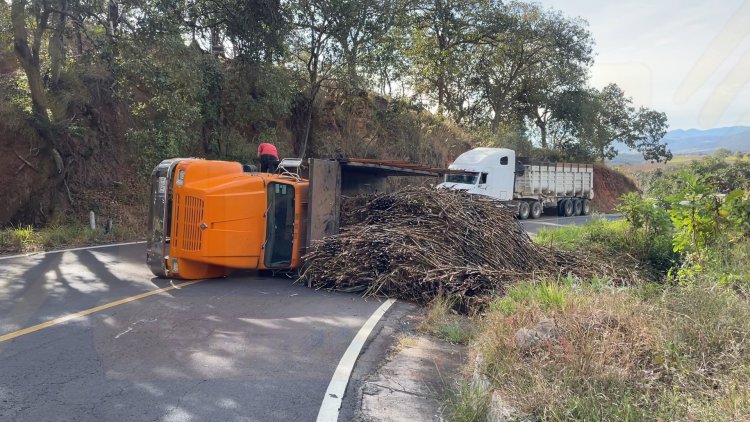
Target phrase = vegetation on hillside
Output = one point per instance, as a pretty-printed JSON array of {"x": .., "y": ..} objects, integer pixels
[
  {"x": 95, "y": 92},
  {"x": 673, "y": 348}
]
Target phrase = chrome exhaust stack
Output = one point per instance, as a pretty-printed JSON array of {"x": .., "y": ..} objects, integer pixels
[{"x": 160, "y": 217}]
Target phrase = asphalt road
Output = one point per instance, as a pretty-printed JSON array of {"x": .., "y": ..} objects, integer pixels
[{"x": 240, "y": 348}]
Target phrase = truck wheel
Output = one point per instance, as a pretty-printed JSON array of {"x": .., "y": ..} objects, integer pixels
[
  {"x": 577, "y": 206},
  {"x": 568, "y": 208},
  {"x": 560, "y": 208},
  {"x": 523, "y": 210},
  {"x": 536, "y": 210},
  {"x": 586, "y": 207}
]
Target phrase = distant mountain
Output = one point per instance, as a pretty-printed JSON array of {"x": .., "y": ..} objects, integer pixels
[{"x": 695, "y": 141}]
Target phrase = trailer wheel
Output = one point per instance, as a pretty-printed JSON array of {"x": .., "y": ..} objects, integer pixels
[
  {"x": 586, "y": 207},
  {"x": 560, "y": 208},
  {"x": 577, "y": 206},
  {"x": 567, "y": 207},
  {"x": 523, "y": 210},
  {"x": 536, "y": 210}
]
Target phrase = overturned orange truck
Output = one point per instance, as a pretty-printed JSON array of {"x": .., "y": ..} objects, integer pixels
[{"x": 210, "y": 217}]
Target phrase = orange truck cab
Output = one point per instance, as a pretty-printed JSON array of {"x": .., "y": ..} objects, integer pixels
[{"x": 209, "y": 217}]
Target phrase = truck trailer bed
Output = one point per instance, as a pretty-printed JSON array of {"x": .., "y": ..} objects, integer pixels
[{"x": 556, "y": 180}]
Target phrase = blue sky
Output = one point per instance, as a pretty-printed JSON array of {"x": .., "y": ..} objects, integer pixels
[{"x": 690, "y": 59}]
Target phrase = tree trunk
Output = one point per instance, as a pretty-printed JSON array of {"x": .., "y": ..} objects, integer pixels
[
  {"x": 28, "y": 57},
  {"x": 495, "y": 124},
  {"x": 56, "y": 45},
  {"x": 441, "y": 93},
  {"x": 48, "y": 170},
  {"x": 543, "y": 131},
  {"x": 351, "y": 69}
]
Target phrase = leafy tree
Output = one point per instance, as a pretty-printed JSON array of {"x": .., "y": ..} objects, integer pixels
[
  {"x": 314, "y": 52},
  {"x": 561, "y": 68},
  {"x": 608, "y": 115},
  {"x": 164, "y": 91},
  {"x": 442, "y": 49},
  {"x": 649, "y": 128},
  {"x": 255, "y": 29},
  {"x": 27, "y": 41},
  {"x": 358, "y": 26}
]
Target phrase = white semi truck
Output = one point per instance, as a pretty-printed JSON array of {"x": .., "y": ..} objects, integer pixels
[{"x": 531, "y": 187}]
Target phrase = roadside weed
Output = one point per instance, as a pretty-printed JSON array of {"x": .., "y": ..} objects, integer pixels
[{"x": 467, "y": 402}]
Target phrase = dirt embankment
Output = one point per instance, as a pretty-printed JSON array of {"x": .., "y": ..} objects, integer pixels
[{"x": 609, "y": 185}]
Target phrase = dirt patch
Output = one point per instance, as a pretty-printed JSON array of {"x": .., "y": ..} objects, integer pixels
[
  {"x": 25, "y": 170},
  {"x": 609, "y": 185}
]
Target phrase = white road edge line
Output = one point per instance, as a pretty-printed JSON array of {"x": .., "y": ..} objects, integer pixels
[
  {"x": 329, "y": 409},
  {"x": 70, "y": 250}
]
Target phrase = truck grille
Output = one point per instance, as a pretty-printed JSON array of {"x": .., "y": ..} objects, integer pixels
[{"x": 192, "y": 211}]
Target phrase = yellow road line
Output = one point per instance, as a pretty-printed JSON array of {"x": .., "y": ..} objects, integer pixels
[{"x": 60, "y": 320}]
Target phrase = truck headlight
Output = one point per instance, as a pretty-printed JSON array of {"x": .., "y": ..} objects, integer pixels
[{"x": 180, "y": 177}]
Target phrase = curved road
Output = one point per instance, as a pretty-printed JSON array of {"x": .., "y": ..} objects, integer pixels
[{"x": 240, "y": 348}]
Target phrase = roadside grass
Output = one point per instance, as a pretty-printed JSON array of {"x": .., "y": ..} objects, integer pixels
[
  {"x": 728, "y": 263},
  {"x": 547, "y": 294},
  {"x": 26, "y": 239},
  {"x": 607, "y": 239},
  {"x": 599, "y": 232},
  {"x": 647, "y": 353},
  {"x": 443, "y": 322},
  {"x": 467, "y": 402}
]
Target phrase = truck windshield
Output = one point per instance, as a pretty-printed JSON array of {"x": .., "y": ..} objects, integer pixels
[{"x": 468, "y": 178}]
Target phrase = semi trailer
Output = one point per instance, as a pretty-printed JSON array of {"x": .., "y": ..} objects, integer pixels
[{"x": 564, "y": 188}]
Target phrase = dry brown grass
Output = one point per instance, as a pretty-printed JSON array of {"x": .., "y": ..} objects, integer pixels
[{"x": 682, "y": 354}]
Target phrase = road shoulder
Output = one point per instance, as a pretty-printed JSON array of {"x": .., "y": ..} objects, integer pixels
[{"x": 403, "y": 375}]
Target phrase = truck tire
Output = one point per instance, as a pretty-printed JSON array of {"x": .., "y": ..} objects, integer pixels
[
  {"x": 560, "y": 211},
  {"x": 586, "y": 207},
  {"x": 577, "y": 206},
  {"x": 523, "y": 210},
  {"x": 567, "y": 207},
  {"x": 536, "y": 210}
]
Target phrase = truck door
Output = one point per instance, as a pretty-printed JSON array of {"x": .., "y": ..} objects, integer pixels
[
  {"x": 504, "y": 178},
  {"x": 279, "y": 225}
]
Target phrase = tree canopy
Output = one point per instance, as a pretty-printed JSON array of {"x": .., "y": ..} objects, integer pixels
[{"x": 183, "y": 69}]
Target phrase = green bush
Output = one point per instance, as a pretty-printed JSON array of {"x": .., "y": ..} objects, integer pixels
[
  {"x": 736, "y": 210},
  {"x": 644, "y": 214}
]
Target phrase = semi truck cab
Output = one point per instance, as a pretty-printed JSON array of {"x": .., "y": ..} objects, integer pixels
[
  {"x": 486, "y": 171},
  {"x": 208, "y": 217}
]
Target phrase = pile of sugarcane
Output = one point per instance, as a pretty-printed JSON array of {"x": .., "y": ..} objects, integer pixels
[{"x": 420, "y": 243}]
